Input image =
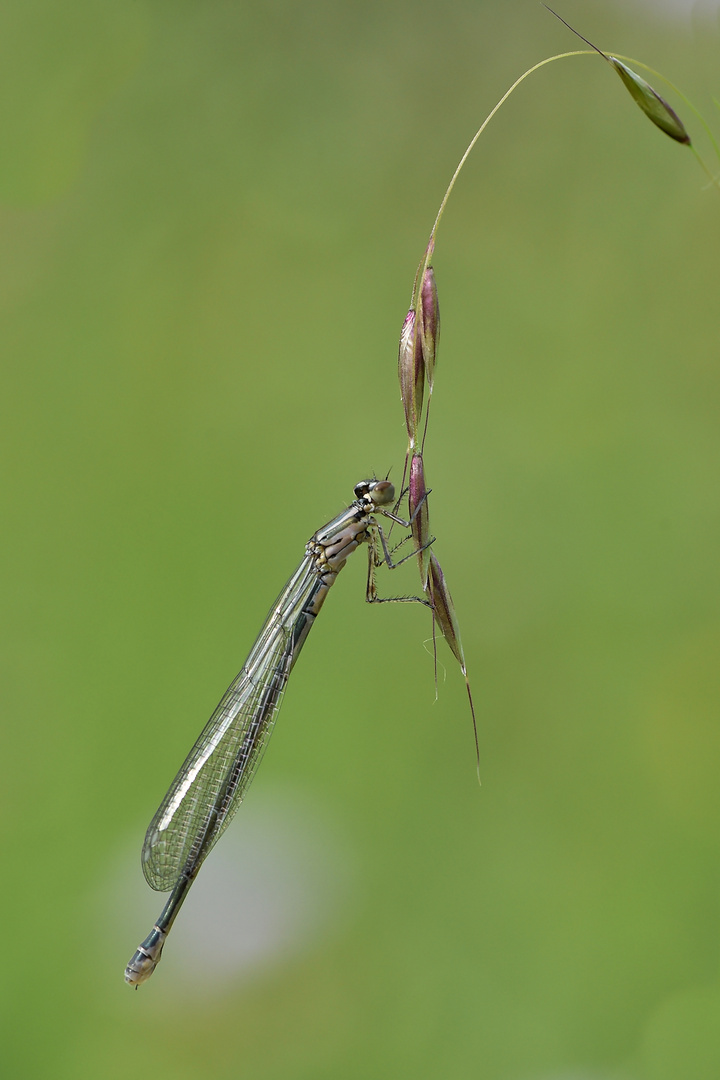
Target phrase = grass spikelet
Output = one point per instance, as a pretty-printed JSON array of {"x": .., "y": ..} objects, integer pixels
[
  {"x": 444, "y": 615},
  {"x": 411, "y": 373},
  {"x": 429, "y": 314},
  {"x": 645, "y": 97},
  {"x": 652, "y": 104},
  {"x": 419, "y": 516}
]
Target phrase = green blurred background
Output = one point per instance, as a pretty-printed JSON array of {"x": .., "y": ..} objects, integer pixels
[{"x": 211, "y": 217}]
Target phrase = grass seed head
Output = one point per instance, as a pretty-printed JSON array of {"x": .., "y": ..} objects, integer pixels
[
  {"x": 411, "y": 373},
  {"x": 444, "y": 610},
  {"x": 417, "y": 501},
  {"x": 429, "y": 314},
  {"x": 654, "y": 106}
]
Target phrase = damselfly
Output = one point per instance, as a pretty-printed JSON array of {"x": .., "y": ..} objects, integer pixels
[{"x": 216, "y": 773}]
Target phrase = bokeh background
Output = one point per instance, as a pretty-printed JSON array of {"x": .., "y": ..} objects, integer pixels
[{"x": 211, "y": 216}]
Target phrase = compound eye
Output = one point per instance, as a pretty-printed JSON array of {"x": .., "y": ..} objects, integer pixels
[
  {"x": 361, "y": 489},
  {"x": 382, "y": 492}
]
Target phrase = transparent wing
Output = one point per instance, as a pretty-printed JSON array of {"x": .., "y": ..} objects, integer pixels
[{"x": 216, "y": 773}]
